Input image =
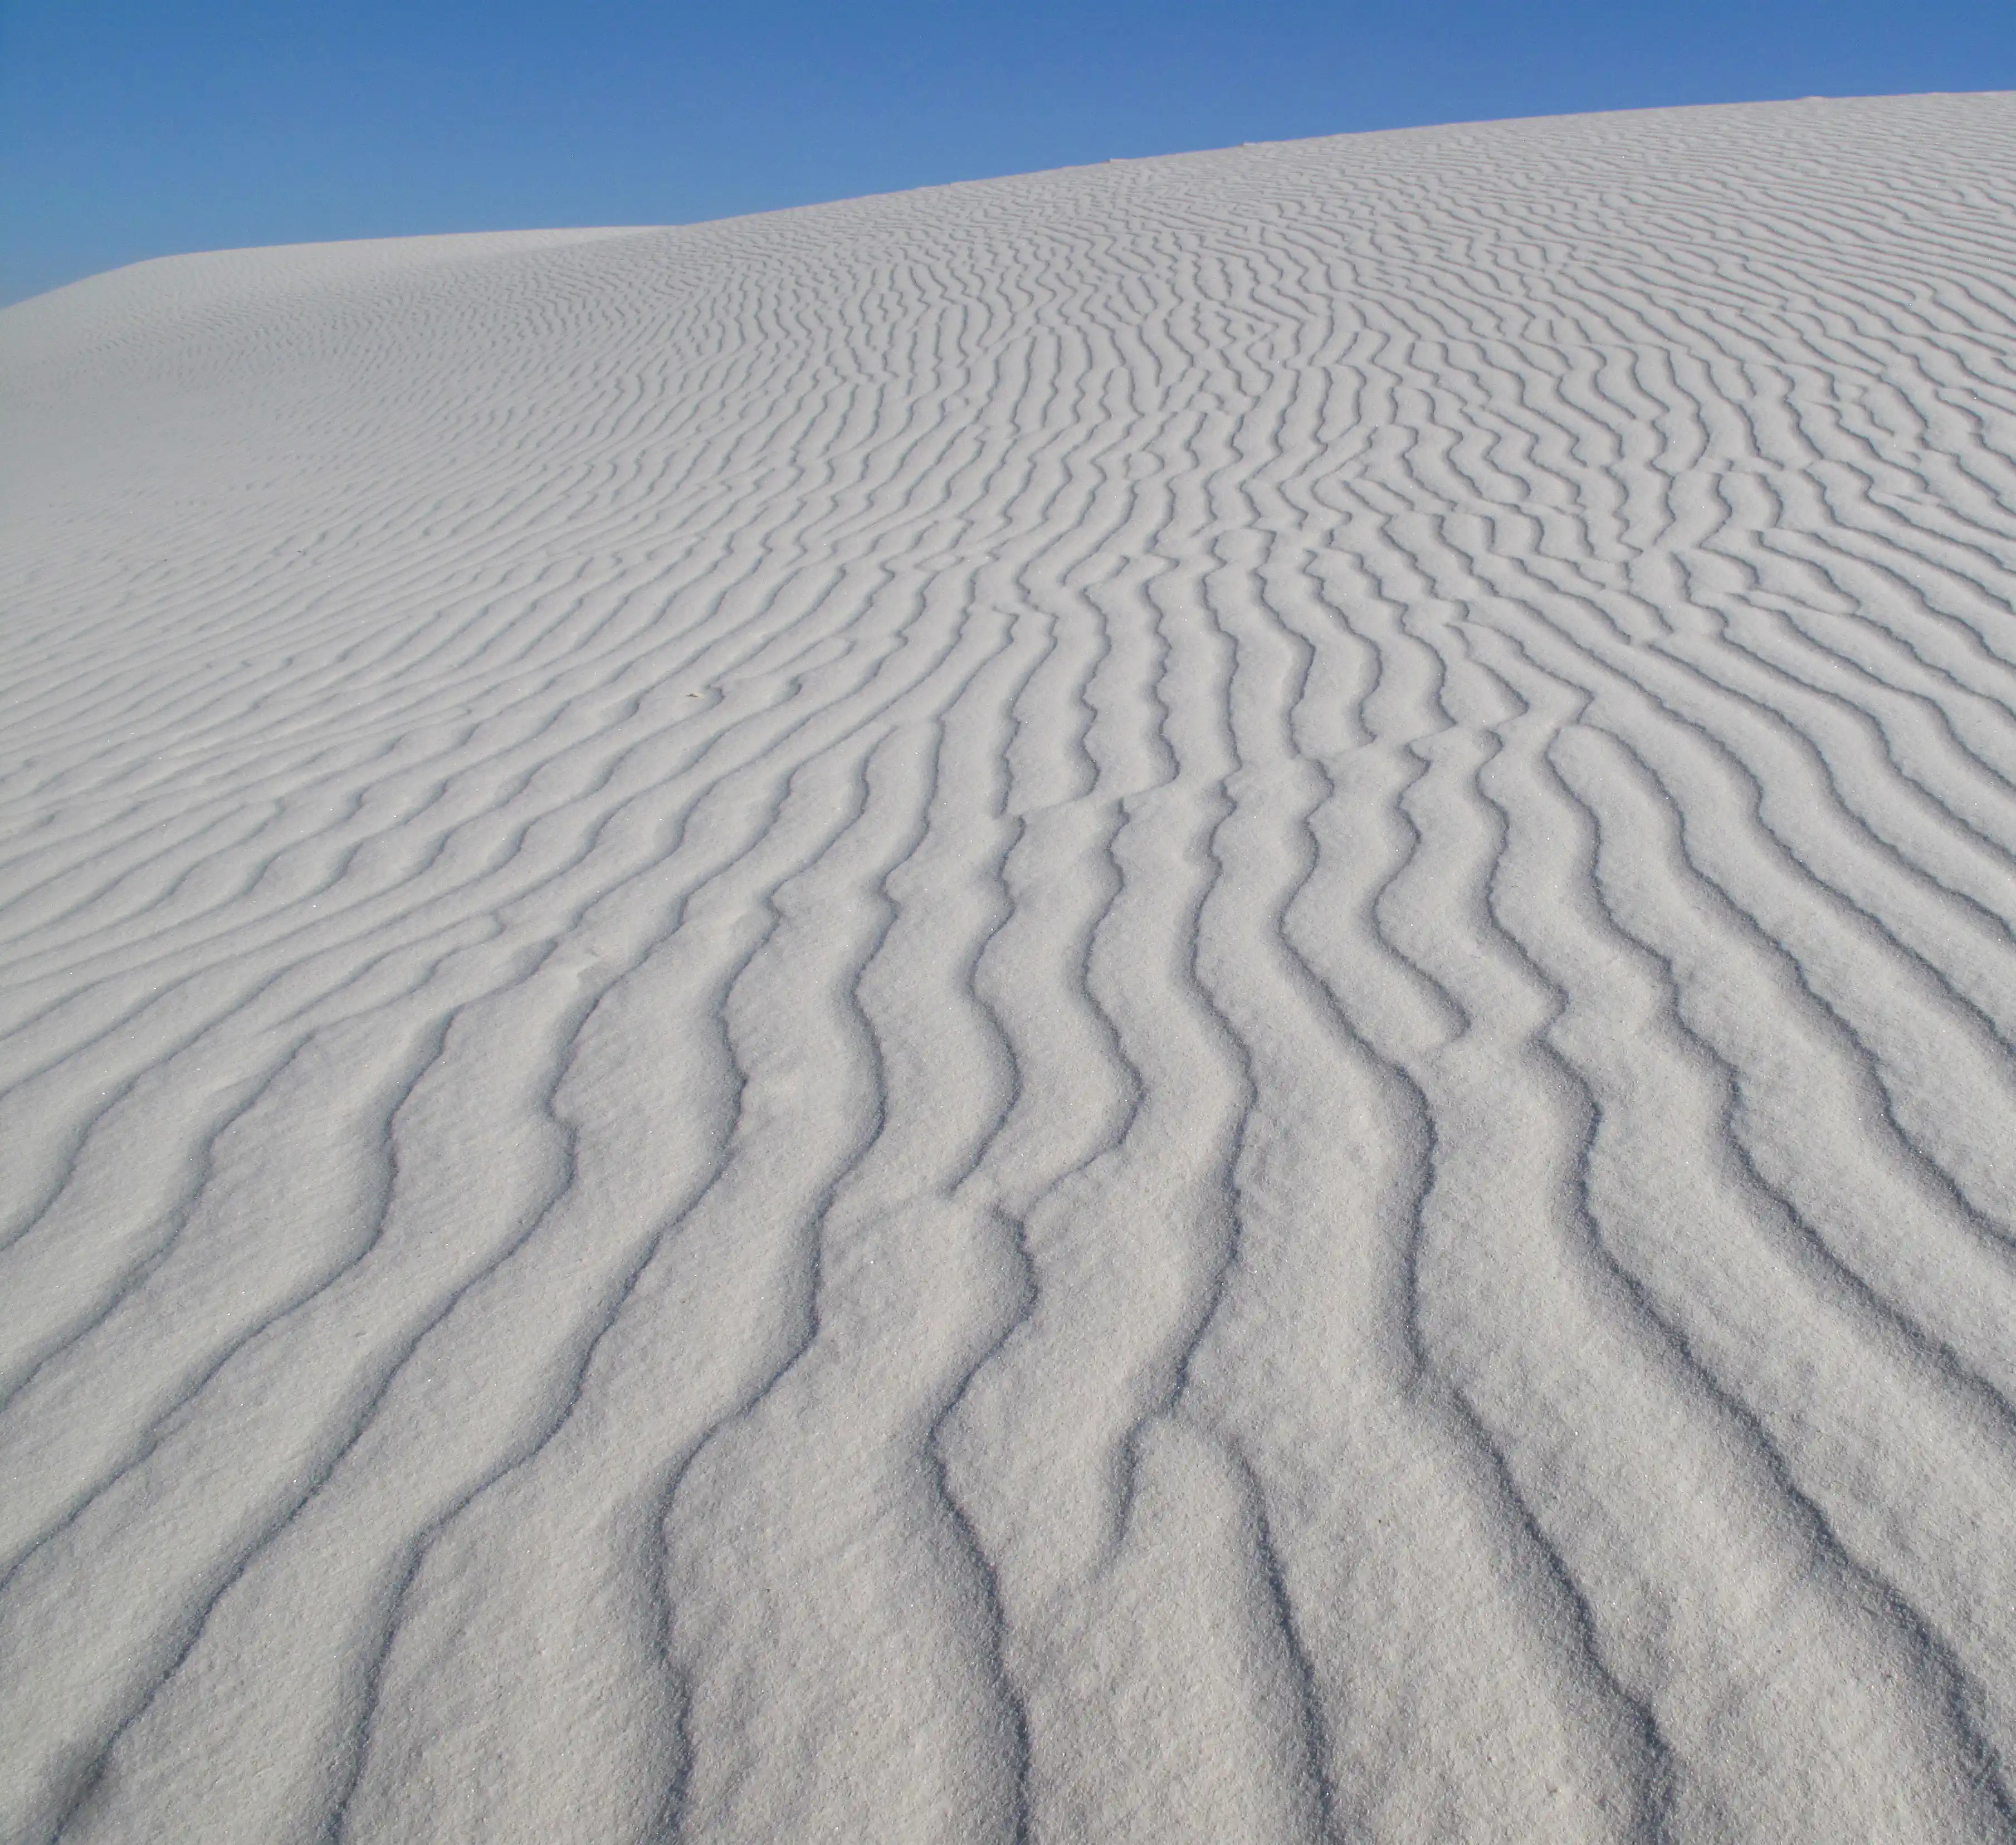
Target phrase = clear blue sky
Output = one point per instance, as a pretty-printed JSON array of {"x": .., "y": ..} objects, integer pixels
[{"x": 130, "y": 129}]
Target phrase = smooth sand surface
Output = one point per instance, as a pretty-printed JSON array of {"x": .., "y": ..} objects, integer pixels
[{"x": 1172, "y": 1003}]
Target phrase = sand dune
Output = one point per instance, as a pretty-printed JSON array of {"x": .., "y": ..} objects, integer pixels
[{"x": 1170, "y": 1003}]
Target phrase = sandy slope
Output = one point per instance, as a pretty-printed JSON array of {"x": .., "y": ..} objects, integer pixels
[{"x": 1172, "y": 1003}]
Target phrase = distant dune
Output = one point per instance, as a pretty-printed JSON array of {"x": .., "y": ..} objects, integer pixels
[{"x": 1173, "y": 1003}]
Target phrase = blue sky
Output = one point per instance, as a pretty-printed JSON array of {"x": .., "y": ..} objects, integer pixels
[{"x": 129, "y": 130}]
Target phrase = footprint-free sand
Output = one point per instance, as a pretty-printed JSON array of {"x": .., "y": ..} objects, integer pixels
[{"x": 1172, "y": 1003}]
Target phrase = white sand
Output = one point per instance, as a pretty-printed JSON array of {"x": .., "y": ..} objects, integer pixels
[{"x": 1173, "y": 1003}]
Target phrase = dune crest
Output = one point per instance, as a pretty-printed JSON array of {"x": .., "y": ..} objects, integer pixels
[{"x": 1168, "y": 1003}]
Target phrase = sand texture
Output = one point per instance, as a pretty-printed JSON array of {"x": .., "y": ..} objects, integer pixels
[{"x": 1168, "y": 1004}]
